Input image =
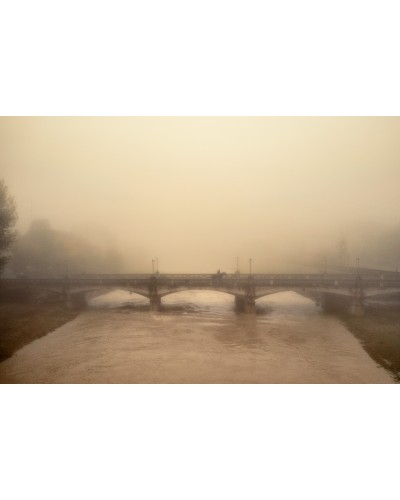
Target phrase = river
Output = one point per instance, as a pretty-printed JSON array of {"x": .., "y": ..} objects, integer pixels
[{"x": 198, "y": 338}]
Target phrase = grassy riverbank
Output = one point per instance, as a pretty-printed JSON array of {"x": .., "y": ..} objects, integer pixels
[
  {"x": 22, "y": 323},
  {"x": 379, "y": 333}
]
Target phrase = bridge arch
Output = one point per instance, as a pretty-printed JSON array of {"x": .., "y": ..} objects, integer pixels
[
  {"x": 55, "y": 291},
  {"x": 381, "y": 293},
  {"x": 271, "y": 291},
  {"x": 104, "y": 290},
  {"x": 198, "y": 289}
]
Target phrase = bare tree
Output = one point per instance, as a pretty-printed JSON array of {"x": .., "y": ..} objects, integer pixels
[{"x": 8, "y": 218}]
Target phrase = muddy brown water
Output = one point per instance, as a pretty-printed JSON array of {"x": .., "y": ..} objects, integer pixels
[{"x": 198, "y": 338}]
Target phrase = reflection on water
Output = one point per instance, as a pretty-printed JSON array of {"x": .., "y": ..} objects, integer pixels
[{"x": 198, "y": 338}]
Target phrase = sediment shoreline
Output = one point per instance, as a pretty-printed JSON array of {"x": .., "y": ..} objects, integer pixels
[
  {"x": 379, "y": 334},
  {"x": 22, "y": 323}
]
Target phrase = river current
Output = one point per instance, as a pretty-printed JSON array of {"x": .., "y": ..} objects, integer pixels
[{"x": 198, "y": 338}]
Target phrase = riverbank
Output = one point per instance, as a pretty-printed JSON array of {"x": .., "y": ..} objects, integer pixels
[
  {"x": 379, "y": 334},
  {"x": 22, "y": 323}
]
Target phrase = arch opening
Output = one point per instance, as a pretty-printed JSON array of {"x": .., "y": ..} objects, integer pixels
[
  {"x": 116, "y": 299},
  {"x": 287, "y": 303},
  {"x": 198, "y": 300}
]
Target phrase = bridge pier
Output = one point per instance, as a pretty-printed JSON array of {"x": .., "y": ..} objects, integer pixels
[
  {"x": 155, "y": 302},
  {"x": 67, "y": 301},
  {"x": 74, "y": 300},
  {"x": 66, "y": 294},
  {"x": 155, "y": 299},
  {"x": 356, "y": 307},
  {"x": 246, "y": 304}
]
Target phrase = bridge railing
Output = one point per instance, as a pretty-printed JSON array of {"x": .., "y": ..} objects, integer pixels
[{"x": 229, "y": 280}]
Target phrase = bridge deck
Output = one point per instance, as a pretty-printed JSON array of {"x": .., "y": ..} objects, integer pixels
[{"x": 348, "y": 281}]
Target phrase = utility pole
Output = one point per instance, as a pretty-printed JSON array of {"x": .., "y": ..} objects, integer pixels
[{"x": 152, "y": 265}]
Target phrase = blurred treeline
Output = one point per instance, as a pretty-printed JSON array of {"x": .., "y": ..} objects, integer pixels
[
  {"x": 372, "y": 247},
  {"x": 43, "y": 250}
]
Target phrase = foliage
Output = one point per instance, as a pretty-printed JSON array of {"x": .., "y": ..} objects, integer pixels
[
  {"x": 44, "y": 250},
  {"x": 8, "y": 218}
]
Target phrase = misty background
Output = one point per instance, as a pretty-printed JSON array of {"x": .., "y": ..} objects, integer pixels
[{"x": 295, "y": 194}]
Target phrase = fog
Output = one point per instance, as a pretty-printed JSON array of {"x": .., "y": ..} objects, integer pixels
[{"x": 198, "y": 192}]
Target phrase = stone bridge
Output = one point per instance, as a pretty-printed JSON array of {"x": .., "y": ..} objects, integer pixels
[{"x": 333, "y": 291}]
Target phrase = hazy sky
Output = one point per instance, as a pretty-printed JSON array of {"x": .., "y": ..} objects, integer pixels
[{"x": 197, "y": 192}]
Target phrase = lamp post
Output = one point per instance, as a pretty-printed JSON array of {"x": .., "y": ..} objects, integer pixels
[
  {"x": 156, "y": 265},
  {"x": 358, "y": 266},
  {"x": 152, "y": 265},
  {"x": 250, "y": 260}
]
